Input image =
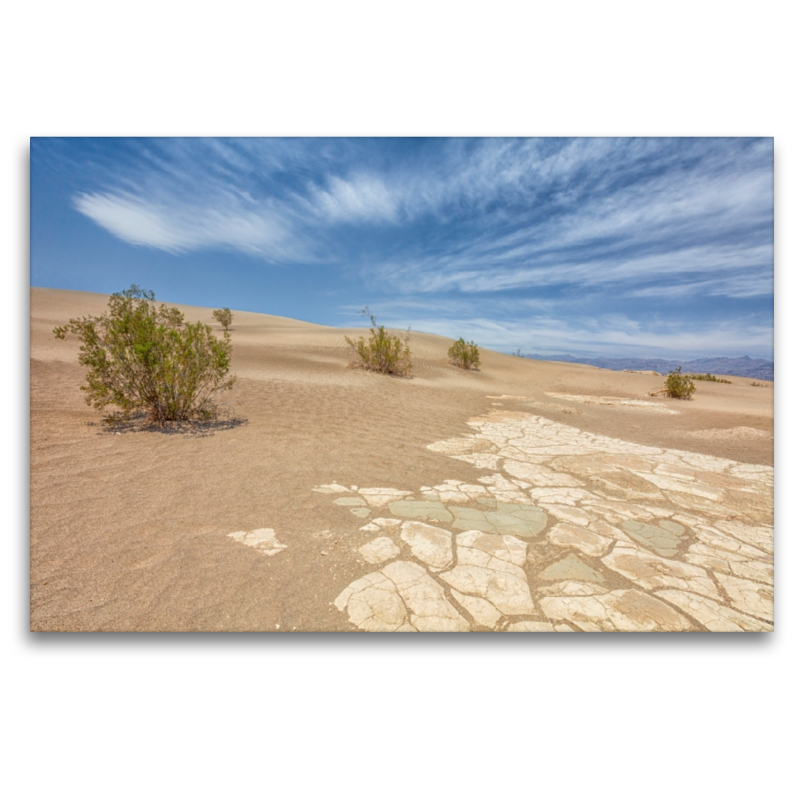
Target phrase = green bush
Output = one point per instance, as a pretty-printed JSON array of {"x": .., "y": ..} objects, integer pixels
[
  {"x": 224, "y": 317},
  {"x": 464, "y": 354},
  {"x": 383, "y": 351},
  {"x": 144, "y": 358},
  {"x": 679, "y": 386},
  {"x": 707, "y": 377}
]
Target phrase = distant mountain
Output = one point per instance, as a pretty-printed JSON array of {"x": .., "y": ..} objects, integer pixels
[{"x": 744, "y": 366}]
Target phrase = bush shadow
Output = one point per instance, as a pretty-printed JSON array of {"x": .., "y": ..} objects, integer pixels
[{"x": 142, "y": 423}]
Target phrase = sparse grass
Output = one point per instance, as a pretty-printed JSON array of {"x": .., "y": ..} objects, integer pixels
[
  {"x": 464, "y": 354},
  {"x": 383, "y": 352},
  {"x": 707, "y": 377},
  {"x": 762, "y": 385},
  {"x": 679, "y": 386}
]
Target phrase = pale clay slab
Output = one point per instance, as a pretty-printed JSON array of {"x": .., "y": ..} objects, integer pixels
[
  {"x": 573, "y": 589},
  {"x": 507, "y": 590},
  {"x": 402, "y": 595},
  {"x": 432, "y": 545},
  {"x": 503, "y": 548},
  {"x": 710, "y": 614},
  {"x": 373, "y": 604},
  {"x": 749, "y": 596},
  {"x": 379, "y": 550},
  {"x": 529, "y": 626},
  {"x": 262, "y": 539},
  {"x": 482, "y": 611},
  {"x": 653, "y": 572},
  {"x": 378, "y": 497},
  {"x": 425, "y": 599},
  {"x": 582, "y": 539},
  {"x": 623, "y": 610}
]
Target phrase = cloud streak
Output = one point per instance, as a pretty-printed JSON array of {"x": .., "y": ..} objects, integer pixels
[
  {"x": 495, "y": 214},
  {"x": 554, "y": 327},
  {"x": 229, "y": 223},
  {"x": 520, "y": 226}
]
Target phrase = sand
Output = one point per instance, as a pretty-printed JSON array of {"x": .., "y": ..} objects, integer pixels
[{"x": 276, "y": 524}]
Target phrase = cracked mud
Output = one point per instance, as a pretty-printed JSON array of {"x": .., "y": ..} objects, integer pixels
[{"x": 568, "y": 531}]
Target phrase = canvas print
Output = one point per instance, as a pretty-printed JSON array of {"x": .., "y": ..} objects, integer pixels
[{"x": 293, "y": 385}]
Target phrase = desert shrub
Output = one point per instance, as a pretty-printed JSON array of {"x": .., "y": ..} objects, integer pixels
[
  {"x": 383, "y": 351},
  {"x": 464, "y": 354},
  {"x": 678, "y": 385},
  {"x": 707, "y": 377},
  {"x": 145, "y": 358},
  {"x": 224, "y": 317}
]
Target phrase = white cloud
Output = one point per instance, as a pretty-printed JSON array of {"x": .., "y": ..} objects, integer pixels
[
  {"x": 639, "y": 218},
  {"x": 540, "y": 266},
  {"x": 182, "y": 228},
  {"x": 605, "y": 335},
  {"x": 364, "y": 198},
  {"x": 127, "y": 219}
]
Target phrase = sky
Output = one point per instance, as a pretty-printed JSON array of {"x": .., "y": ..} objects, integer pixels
[{"x": 626, "y": 247}]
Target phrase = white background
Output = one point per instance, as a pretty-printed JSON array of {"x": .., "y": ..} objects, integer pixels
[{"x": 472, "y": 716}]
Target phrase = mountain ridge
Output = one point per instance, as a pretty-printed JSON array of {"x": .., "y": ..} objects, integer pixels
[{"x": 743, "y": 366}]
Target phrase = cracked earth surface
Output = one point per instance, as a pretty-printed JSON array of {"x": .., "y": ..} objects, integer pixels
[{"x": 567, "y": 531}]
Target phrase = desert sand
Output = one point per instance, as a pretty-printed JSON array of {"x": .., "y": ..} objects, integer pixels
[{"x": 527, "y": 496}]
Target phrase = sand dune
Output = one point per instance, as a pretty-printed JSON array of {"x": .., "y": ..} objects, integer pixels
[{"x": 527, "y": 496}]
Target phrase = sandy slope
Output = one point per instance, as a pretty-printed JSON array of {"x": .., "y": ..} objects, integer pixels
[{"x": 130, "y": 531}]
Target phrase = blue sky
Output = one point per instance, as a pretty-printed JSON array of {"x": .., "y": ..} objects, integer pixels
[{"x": 592, "y": 246}]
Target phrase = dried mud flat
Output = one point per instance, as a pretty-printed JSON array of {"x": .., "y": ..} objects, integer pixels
[{"x": 529, "y": 496}]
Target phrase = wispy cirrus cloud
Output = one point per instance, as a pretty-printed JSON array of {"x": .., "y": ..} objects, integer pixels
[
  {"x": 731, "y": 269},
  {"x": 362, "y": 199},
  {"x": 601, "y": 335},
  {"x": 465, "y": 215},
  {"x": 651, "y": 227},
  {"x": 560, "y": 325},
  {"x": 229, "y": 222},
  {"x": 541, "y": 234}
]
